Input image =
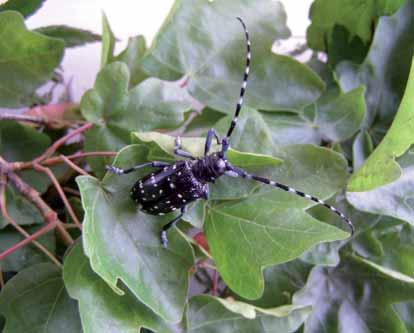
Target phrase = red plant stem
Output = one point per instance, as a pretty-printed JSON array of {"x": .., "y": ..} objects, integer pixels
[
  {"x": 214, "y": 283},
  {"x": 10, "y": 220},
  {"x": 49, "y": 215},
  {"x": 74, "y": 166},
  {"x": 55, "y": 146},
  {"x": 71, "y": 191},
  {"x": 57, "y": 159},
  {"x": 62, "y": 194},
  {"x": 27, "y": 240}
]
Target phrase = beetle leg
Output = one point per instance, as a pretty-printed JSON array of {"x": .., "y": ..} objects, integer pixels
[
  {"x": 179, "y": 152},
  {"x": 210, "y": 134},
  {"x": 119, "y": 171},
  {"x": 169, "y": 225}
]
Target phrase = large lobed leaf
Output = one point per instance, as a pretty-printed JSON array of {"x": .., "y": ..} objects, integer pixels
[
  {"x": 212, "y": 55},
  {"x": 116, "y": 111},
  {"x": 101, "y": 310},
  {"x": 35, "y": 300},
  {"x": 123, "y": 243},
  {"x": 27, "y": 60}
]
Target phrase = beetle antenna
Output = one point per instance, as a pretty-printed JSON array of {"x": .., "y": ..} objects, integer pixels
[
  {"x": 242, "y": 90},
  {"x": 239, "y": 172}
]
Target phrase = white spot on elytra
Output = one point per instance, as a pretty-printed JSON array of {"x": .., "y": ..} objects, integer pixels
[
  {"x": 179, "y": 195},
  {"x": 172, "y": 185}
]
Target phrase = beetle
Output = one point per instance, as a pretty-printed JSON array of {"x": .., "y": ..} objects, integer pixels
[{"x": 173, "y": 186}]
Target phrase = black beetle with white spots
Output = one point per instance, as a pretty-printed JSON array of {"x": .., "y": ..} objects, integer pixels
[{"x": 173, "y": 187}]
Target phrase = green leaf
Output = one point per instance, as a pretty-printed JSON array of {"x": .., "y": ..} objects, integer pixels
[
  {"x": 116, "y": 111},
  {"x": 108, "y": 42},
  {"x": 27, "y": 60},
  {"x": 102, "y": 310},
  {"x": 395, "y": 199},
  {"x": 35, "y": 300},
  {"x": 362, "y": 147},
  {"x": 339, "y": 118},
  {"x": 356, "y": 296},
  {"x": 355, "y": 16},
  {"x": 281, "y": 282},
  {"x": 72, "y": 36},
  {"x": 132, "y": 56},
  {"x": 272, "y": 224},
  {"x": 381, "y": 167},
  {"x": 26, "y": 8},
  {"x": 123, "y": 243},
  {"x": 27, "y": 255},
  {"x": 213, "y": 56},
  {"x": 210, "y": 314},
  {"x": 388, "y": 60}
]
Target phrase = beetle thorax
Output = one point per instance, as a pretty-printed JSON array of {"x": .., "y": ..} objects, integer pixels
[{"x": 209, "y": 168}]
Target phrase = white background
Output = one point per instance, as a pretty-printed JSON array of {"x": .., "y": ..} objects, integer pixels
[{"x": 127, "y": 18}]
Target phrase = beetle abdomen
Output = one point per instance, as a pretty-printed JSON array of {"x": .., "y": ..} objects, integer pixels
[{"x": 168, "y": 189}]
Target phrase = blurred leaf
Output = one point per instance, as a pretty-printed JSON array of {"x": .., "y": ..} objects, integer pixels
[
  {"x": 395, "y": 199},
  {"x": 356, "y": 16},
  {"x": 116, "y": 111},
  {"x": 35, "y": 301},
  {"x": 357, "y": 296},
  {"x": 27, "y": 255},
  {"x": 362, "y": 147},
  {"x": 213, "y": 56},
  {"x": 385, "y": 70},
  {"x": 27, "y": 60},
  {"x": 26, "y": 8},
  {"x": 110, "y": 312},
  {"x": 281, "y": 282},
  {"x": 72, "y": 36},
  {"x": 343, "y": 45},
  {"x": 124, "y": 243},
  {"x": 209, "y": 314},
  {"x": 108, "y": 42},
  {"x": 132, "y": 56},
  {"x": 381, "y": 167}
]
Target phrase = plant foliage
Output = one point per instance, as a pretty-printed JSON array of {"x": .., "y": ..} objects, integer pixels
[{"x": 76, "y": 253}]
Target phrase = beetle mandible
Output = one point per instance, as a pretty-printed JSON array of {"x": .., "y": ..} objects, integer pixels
[{"x": 173, "y": 186}]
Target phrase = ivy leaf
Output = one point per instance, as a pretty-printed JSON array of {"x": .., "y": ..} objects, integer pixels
[
  {"x": 108, "y": 42},
  {"x": 271, "y": 224},
  {"x": 381, "y": 167},
  {"x": 132, "y": 56},
  {"x": 72, "y": 36},
  {"x": 40, "y": 284},
  {"x": 116, "y": 111},
  {"x": 27, "y": 255},
  {"x": 388, "y": 60},
  {"x": 356, "y": 296},
  {"x": 213, "y": 56},
  {"x": 210, "y": 314},
  {"x": 123, "y": 243},
  {"x": 326, "y": 14},
  {"x": 26, "y": 8},
  {"x": 27, "y": 60},
  {"x": 101, "y": 310},
  {"x": 395, "y": 199}
]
